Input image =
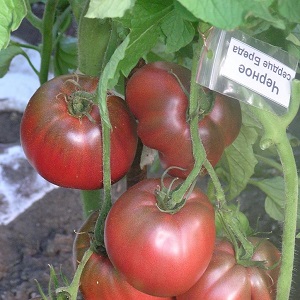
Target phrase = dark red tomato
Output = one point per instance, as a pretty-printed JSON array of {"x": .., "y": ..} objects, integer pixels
[
  {"x": 100, "y": 280},
  {"x": 66, "y": 149},
  {"x": 157, "y": 100},
  {"x": 224, "y": 279},
  {"x": 160, "y": 253}
]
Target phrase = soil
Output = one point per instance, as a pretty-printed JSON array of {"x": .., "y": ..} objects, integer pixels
[{"x": 43, "y": 235}]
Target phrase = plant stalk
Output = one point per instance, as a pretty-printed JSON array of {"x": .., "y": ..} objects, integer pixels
[
  {"x": 290, "y": 218},
  {"x": 275, "y": 134},
  {"x": 197, "y": 147},
  {"x": 47, "y": 39}
]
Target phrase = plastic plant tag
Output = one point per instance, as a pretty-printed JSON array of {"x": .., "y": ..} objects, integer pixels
[{"x": 242, "y": 67}]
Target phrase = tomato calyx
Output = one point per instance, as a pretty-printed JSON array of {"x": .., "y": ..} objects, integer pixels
[
  {"x": 164, "y": 195},
  {"x": 165, "y": 201},
  {"x": 80, "y": 104}
]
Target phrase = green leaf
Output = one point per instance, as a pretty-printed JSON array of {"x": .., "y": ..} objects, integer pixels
[
  {"x": 274, "y": 188},
  {"x": 110, "y": 77},
  {"x": 12, "y": 13},
  {"x": 6, "y": 56},
  {"x": 237, "y": 163},
  {"x": 223, "y": 14},
  {"x": 144, "y": 22},
  {"x": 178, "y": 32},
  {"x": 65, "y": 59},
  {"x": 108, "y": 8},
  {"x": 230, "y": 14},
  {"x": 290, "y": 9},
  {"x": 298, "y": 236}
]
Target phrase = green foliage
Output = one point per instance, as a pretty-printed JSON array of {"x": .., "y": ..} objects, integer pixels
[
  {"x": 231, "y": 14},
  {"x": 7, "y": 55},
  {"x": 108, "y": 8},
  {"x": 11, "y": 14},
  {"x": 238, "y": 162},
  {"x": 275, "y": 197},
  {"x": 65, "y": 58},
  {"x": 178, "y": 32},
  {"x": 290, "y": 9},
  {"x": 144, "y": 22}
]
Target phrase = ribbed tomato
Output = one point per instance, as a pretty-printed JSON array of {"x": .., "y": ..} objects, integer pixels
[
  {"x": 158, "y": 252},
  {"x": 155, "y": 95},
  {"x": 224, "y": 279},
  {"x": 61, "y": 133},
  {"x": 100, "y": 280}
]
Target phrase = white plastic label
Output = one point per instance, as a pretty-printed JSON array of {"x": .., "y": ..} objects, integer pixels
[
  {"x": 242, "y": 67},
  {"x": 258, "y": 71}
]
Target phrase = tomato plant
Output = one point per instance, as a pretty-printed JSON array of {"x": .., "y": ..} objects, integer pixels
[
  {"x": 100, "y": 280},
  {"x": 160, "y": 253},
  {"x": 224, "y": 278},
  {"x": 192, "y": 128},
  {"x": 157, "y": 96},
  {"x": 61, "y": 133}
]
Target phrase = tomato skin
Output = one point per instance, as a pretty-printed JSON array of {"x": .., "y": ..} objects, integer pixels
[
  {"x": 66, "y": 150},
  {"x": 224, "y": 279},
  {"x": 100, "y": 280},
  {"x": 159, "y": 103},
  {"x": 157, "y": 252}
]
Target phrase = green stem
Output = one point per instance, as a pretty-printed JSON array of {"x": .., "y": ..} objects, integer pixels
[
  {"x": 275, "y": 134},
  {"x": 72, "y": 290},
  {"x": 290, "y": 218},
  {"x": 270, "y": 162},
  {"x": 47, "y": 39},
  {"x": 91, "y": 201},
  {"x": 106, "y": 204},
  {"x": 31, "y": 64},
  {"x": 97, "y": 39},
  {"x": 32, "y": 18},
  {"x": 198, "y": 150},
  {"x": 220, "y": 196}
]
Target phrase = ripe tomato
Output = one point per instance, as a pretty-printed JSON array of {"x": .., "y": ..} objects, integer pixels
[
  {"x": 100, "y": 280},
  {"x": 224, "y": 279},
  {"x": 160, "y": 253},
  {"x": 66, "y": 149},
  {"x": 156, "y": 98}
]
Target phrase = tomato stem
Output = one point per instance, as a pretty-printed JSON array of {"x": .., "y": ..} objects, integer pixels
[
  {"x": 103, "y": 36},
  {"x": 72, "y": 289},
  {"x": 198, "y": 150},
  {"x": 47, "y": 39},
  {"x": 279, "y": 138},
  {"x": 91, "y": 201},
  {"x": 32, "y": 18}
]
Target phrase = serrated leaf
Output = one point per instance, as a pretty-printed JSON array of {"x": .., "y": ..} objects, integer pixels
[
  {"x": 261, "y": 10},
  {"x": 178, "y": 32},
  {"x": 6, "y": 56},
  {"x": 274, "y": 188},
  {"x": 144, "y": 21},
  {"x": 230, "y": 14},
  {"x": 12, "y": 13},
  {"x": 102, "y": 9},
  {"x": 290, "y": 9},
  {"x": 65, "y": 59},
  {"x": 222, "y": 14},
  {"x": 237, "y": 163}
]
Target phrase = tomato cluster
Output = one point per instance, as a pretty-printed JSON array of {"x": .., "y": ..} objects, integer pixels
[{"x": 155, "y": 247}]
